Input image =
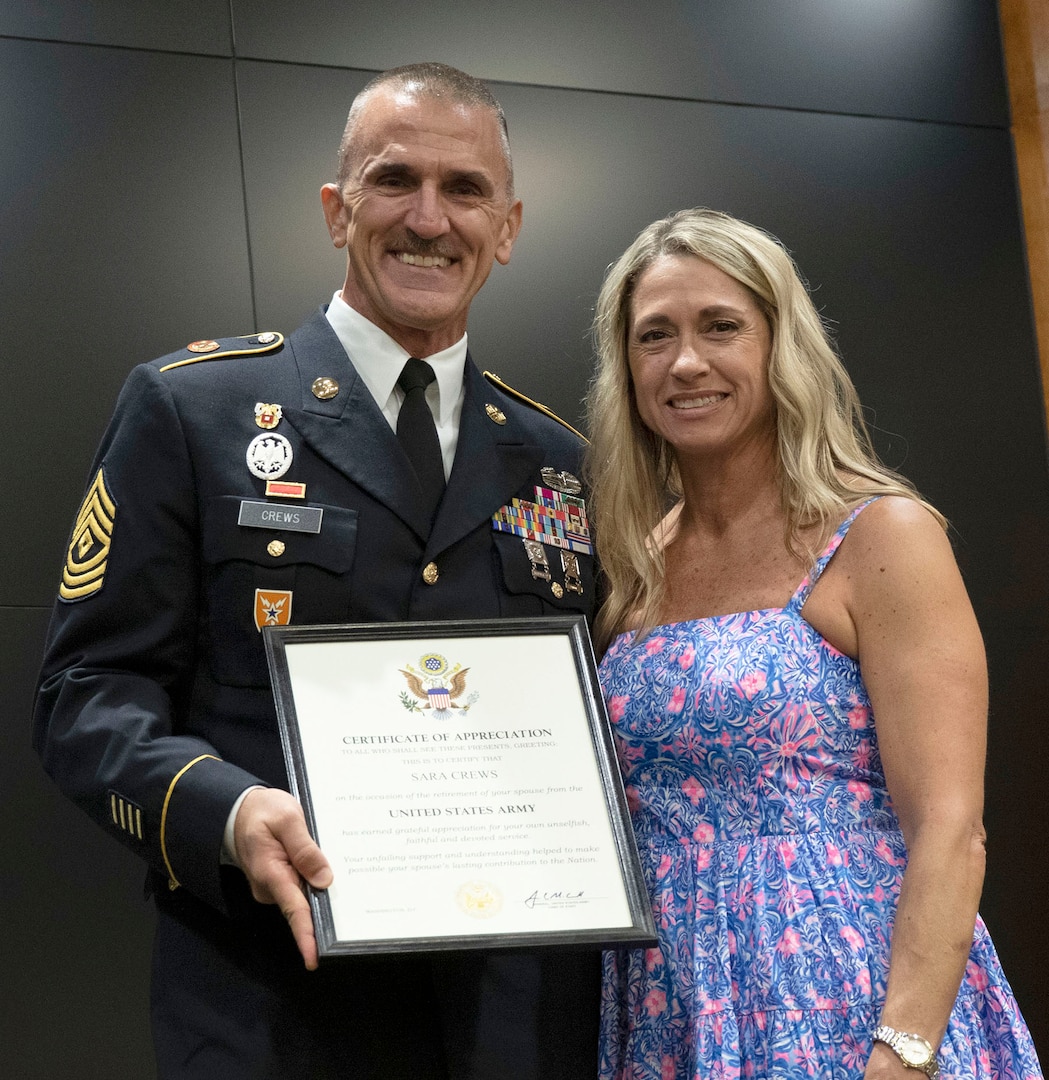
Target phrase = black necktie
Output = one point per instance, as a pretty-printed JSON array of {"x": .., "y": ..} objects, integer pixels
[{"x": 417, "y": 432}]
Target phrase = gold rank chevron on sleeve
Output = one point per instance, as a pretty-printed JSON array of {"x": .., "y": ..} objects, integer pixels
[{"x": 88, "y": 553}]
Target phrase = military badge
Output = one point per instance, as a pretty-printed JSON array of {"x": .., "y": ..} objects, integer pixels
[
  {"x": 537, "y": 557},
  {"x": 269, "y": 456},
  {"x": 324, "y": 388},
  {"x": 550, "y": 518},
  {"x": 267, "y": 416},
  {"x": 272, "y": 607},
  {"x": 88, "y": 553},
  {"x": 560, "y": 481},
  {"x": 436, "y": 684},
  {"x": 570, "y": 565},
  {"x": 285, "y": 489}
]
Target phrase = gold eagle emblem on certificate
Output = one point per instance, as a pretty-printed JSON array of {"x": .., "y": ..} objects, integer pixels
[{"x": 437, "y": 685}]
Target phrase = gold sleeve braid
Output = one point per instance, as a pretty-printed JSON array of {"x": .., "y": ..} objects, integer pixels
[{"x": 173, "y": 882}]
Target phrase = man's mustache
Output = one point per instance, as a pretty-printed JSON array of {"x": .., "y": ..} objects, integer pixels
[{"x": 412, "y": 244}]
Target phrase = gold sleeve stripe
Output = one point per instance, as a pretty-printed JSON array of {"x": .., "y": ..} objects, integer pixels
[
  {"x": 535, "y": 404},
  {"x": 222, "y": 354},
  {"x": 126, "y": 815},
  {"x": 88, "y": 551},
  {"x": 174, "y": 882}
]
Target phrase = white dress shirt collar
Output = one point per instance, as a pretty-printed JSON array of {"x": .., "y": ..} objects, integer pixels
[{"x": 379, "y": 360}]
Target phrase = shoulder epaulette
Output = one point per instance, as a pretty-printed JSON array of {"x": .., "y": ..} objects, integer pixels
[
  {"x": 208, "y": 349},
  {"x": 496, "y": 381}
]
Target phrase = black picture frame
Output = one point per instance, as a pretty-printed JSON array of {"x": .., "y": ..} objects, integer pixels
[{"x": 292, "y": 651}]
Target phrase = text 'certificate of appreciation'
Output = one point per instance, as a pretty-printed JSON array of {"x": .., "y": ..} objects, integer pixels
[{"x": 460, "y": 780}]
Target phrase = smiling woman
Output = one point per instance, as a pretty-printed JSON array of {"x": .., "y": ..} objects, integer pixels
[
  {"x": 698, "y": 347},
  {"x": 798, "y": 692}
]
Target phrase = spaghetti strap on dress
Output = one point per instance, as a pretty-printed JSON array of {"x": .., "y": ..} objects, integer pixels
[{"x": 773, "y": 859}]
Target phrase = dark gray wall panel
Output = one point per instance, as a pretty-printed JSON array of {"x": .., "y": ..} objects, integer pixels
[
  {"x": 121, "y": 238},
  {"x": 1014, "y": 897},
  {"x": 292, "y": 120},
  {"x": 200, "y": 26},
  {"x": 75, "y": 931},
  {"x": 935, "y": 59}
]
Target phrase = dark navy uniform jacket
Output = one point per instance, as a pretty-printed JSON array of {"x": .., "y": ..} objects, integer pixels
[{"x": 154, "y": 710}]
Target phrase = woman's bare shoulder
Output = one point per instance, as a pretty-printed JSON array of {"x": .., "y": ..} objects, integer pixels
[{"x": 896, "y": 547}]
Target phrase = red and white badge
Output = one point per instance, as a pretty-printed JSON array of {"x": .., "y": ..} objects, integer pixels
[{"x": 267, "y": 416}]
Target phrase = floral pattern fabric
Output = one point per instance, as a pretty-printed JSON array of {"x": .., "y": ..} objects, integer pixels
[{"x": 773, "y": 859}]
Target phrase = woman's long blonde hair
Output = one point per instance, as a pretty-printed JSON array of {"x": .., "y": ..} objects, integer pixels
[{"x": 826, "y": 461}]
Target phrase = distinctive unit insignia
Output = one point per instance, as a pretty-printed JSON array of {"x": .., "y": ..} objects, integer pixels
[
  {"x": 440, "y": 688},
  {"x": 88, "y": 552},
  {"x": 203, "y": 346},
  {"x": 267, "y": 416},
  {"x": 269, "y": 456},
  {"x": 272, "y": 607},
  {"x": 496, "y": 415}
]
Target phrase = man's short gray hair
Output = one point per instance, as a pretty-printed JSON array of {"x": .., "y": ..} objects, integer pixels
[{"x": 431, "y": 80}]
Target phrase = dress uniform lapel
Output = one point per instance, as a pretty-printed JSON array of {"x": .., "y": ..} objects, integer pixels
[
  {"x": 492, "y": 462},
  {"x": 342, "y": 423}
]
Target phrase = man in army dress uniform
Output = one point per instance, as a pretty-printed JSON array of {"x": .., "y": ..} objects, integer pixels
[{"x": 154, "y": 711}]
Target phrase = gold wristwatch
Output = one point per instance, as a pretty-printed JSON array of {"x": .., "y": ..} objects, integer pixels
[{"x": 914, "y": 1051}]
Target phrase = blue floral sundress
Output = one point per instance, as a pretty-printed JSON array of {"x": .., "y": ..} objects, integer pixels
[{"x": 773, "y": 859}]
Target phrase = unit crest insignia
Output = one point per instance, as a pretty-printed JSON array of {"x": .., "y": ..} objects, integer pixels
[
  {"x": 272, "y": 607},
  {"x": 439, "y": 687},
  {"x": 267, "y": 416}
]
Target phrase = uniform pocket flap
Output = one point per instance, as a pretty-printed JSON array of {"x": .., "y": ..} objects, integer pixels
[
  {"x": 279, "y": 543},
  {"x": 564, "y": 581}
]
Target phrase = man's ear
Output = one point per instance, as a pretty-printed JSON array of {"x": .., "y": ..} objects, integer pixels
[
  {"x": 509, "y": 234},
  {"x": 335, "y": 213}
]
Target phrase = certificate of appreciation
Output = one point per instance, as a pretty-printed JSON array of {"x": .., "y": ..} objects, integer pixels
[{"x": 460, "y": 778}]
